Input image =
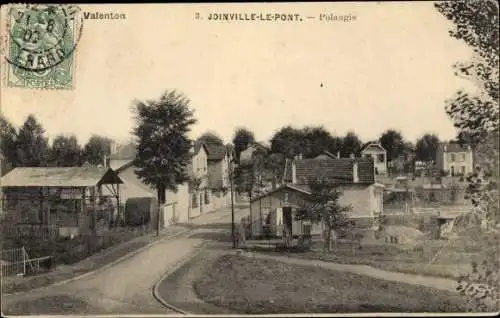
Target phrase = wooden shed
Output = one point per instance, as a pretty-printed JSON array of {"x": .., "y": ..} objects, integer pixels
[
  {"x": 273, "y": 212},
  {"x": 51, "y": 201}
]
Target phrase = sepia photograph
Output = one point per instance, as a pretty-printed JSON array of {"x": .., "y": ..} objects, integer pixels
[{"x": 242, "y": 159}]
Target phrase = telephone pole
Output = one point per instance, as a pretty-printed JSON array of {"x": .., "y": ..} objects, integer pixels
[{"x": 230, "y": 164}]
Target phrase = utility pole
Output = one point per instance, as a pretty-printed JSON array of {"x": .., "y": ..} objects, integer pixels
[{"x": 230, "y": 164}]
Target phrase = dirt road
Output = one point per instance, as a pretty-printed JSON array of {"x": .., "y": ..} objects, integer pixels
[{"x": 125, "y": 288}]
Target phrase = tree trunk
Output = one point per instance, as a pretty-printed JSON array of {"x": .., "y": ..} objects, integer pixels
[{"x": 161, "y": 200}]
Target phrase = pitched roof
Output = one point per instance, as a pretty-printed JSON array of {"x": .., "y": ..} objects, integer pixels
[
  {"x": 372, "y": 145},
  {"x": 453, "y": 147},
  {"x": 326, "y": 155},
  {"x": 334, "y": 170},
  {"x": 293, "y": 187},
  {"x": 215, "y": 151},
  {"x": 197, "y": 146},
  {"x": 118, "y": 165},
  {"x": 59, "y": 177}
]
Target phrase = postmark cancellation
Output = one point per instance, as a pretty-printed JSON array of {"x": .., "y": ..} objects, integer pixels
[{"x": 41, "y": 45}]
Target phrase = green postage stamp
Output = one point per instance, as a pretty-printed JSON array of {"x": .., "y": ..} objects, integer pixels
[{"x": 41, "y": 45}]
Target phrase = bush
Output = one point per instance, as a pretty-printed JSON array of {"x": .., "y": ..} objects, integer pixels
[{"x": 138, "y": 211}]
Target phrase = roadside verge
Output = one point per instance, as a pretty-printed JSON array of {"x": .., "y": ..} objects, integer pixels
[{"x": 178, "y": 233}]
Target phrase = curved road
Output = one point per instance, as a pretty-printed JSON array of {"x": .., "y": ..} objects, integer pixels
[{"x": 125, "y": 288}]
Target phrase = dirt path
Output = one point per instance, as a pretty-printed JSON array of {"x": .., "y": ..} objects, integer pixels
[{"x": 125, "y": 288}]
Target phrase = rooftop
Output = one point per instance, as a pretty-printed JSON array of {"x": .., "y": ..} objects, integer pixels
[
  {"x": 453, "y": 147},
  {"x": 59, "y": 177},
  {"x": 372, "y": 145},
  {"x": 333, "y": 170},
  {"x": 215, "y": 151}
]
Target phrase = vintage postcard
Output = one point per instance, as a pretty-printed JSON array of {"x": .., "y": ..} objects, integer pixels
[{"x": 250, "y": 159}]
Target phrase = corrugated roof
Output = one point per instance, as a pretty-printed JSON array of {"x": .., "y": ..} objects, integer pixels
[
  {"x": 59, "y": 177},
  {"x": 215, "y": 151},
  {"x": 334, "y": 170}
]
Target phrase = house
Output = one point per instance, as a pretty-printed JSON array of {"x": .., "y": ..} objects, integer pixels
[
  {"x": 174, "y": 210},
  {"x": 454, "y": 159},
  {"x": 54, "y": 201},
  {"x": 378, "y": 154},
  {"x": 354, "y": 178},
  {"x": 219, "y": 159},
  {"x": 199, "y": 190}
]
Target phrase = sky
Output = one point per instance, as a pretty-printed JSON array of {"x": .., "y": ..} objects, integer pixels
[{"x": 389, "y": 68}]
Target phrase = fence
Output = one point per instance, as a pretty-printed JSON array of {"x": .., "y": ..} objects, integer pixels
[
  {"x": 17, "y": 262},
  {"x": 40, "y": 231}
]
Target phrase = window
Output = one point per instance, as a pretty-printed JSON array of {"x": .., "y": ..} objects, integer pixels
[
  {"x": 462, "y": 170},
  {"x": 369, "y": 156},
  {"x": 452, "y": 157},
  {"x": 381, "y": 158},
  {"x": 462, "y": 157}
]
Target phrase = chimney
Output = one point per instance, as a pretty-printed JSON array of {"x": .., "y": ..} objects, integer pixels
[
  {"x": 300, "y": 156},
  {"x": 106, "y": 162},
  {"x": 351, "y": 156},
  {"x": 294, "y": 172},
  {"x": 338, "y": 154},
  {"x": 445, "y": 148},
  {"x": 355, "y": 175}
]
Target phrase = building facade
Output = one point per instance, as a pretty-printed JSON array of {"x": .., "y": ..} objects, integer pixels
[
  {"x": 378, "y": 154},
  {"x": 354, "y": 178},
  {"x": 454, "y": 159}
]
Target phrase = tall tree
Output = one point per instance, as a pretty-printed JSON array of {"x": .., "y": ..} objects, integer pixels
[
  {"x": 323, "y": 206},
  {"x": 211, "y": 137},
  {"x": 8, "y": 137},
  {"x": 97, "y": 149},
  {"x": 243, "y": 137},
  {"x": 426, "y": 147},
  {"x": 289, "y": 141},
  {"x": 477, "y": 118},
  {"x": 318, "y": 139},
  {"x": 163, "y": 148},
  {"x": 351, "y": 144},
  {"x": 476, "y": 23},
  {"x": 65, "y": 152},
  {"x": 393, "y": 142},
  {"x": 32, "y": 145}
]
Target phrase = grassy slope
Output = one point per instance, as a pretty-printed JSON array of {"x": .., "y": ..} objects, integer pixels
[{"x": 254, "y": 286}]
